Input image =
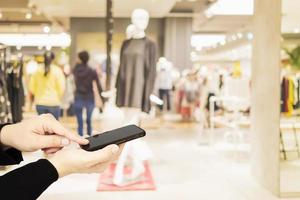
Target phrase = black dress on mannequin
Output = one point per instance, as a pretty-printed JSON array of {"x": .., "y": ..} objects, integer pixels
[{"x": 137, "y": 72}]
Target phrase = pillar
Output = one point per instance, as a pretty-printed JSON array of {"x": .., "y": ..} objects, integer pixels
[
  {"x": 265, "y": 97},
  {"x": 177, "y": 41}
]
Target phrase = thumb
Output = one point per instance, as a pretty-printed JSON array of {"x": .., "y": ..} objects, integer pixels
[
  {"x": 103, "y": 155},
  {"x": 50, "y": 141}
]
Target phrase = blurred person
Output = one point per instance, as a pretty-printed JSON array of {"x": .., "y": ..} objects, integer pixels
[
  {"x": 47, "y": 85},
  {"x": 165, "y": 81},
  {"x": 84, "y": 77},
  {"x": 45, "y": 133}
]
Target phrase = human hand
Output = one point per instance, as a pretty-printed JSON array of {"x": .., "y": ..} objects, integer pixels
[
  {"x": 41, "y": 132},
  {"x": 68, "y": 161}
]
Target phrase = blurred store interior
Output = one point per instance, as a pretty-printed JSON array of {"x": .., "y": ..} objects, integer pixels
[{"x": 215, "y": 84}]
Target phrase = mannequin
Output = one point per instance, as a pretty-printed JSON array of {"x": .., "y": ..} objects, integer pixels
[
  {"x": 140, "y": 19},
  {"x": 130, "y": 31},
  {"x": 134, "y": 85},
  {"x": 137, "y": 69}
]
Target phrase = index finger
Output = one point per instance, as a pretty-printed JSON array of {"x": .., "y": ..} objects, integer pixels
[{"x": 58, "y": 129}]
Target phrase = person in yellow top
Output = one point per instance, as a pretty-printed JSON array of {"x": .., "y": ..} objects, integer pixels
[{"x": 47, "y": 85}]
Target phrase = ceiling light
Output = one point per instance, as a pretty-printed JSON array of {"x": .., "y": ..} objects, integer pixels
[
  {"x": 40, "y": 47},
  {"x": 232, "y": 7},
  {"x": 19, "y": 47},
  {"x": 234, "y": 37},
  {"x": 15, "y": 39},
  {"x": 48, "y": 47},
  {"x": 28, "y": 15},
  {"x": 1, "y": 15},
  {"x": 223, "y": 42},
  {"x": 250, "y": 36},
  {"x": 296, "y": 30},
  {"x": 46, "y": 29},
  {"x": 240, "y": 35},
  {"x": 208, "y": 14}
]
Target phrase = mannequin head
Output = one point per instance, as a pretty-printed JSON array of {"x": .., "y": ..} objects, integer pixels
[
  {"x": 130, "y": 31},
  {"x": 140, "y": 19},
  {"x": 163, "y": 64}
]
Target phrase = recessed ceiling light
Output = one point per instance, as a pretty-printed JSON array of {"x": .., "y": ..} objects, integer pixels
[
  {"x": 250, "y": 36},
  {"x": 223, "y": 42},
  {"x": 234, "y": 37},
  {"x": 28, "y": 15},
  {"x": 48, "y": 47},
  {"x": 240, "y": 35},
  {"x": 296, "y": 30},
  {"x": 1, "y": 15},
  {"x": 208, "y": 14},
  {"x": 19, "y": 47},
  {"x": 46, "y": 29}
]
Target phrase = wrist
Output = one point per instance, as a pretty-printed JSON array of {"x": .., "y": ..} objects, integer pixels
[
  {"x": 60, "y": 168},
  {"x": 4, "y": 135}
]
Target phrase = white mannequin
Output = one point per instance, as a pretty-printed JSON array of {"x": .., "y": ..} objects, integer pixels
[
  {"x": 140, "y": 19},
  {"x": 130, "y": 31},
  {"x": 135, "y": 151}
]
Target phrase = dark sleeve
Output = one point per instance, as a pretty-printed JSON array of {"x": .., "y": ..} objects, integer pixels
[
  {"x": 28, "y": 182},
  {"x": 99, "y": 88},
  {"x": 150, "y": 75},
  {"x": 9, "y": 156},
  {"x": 120, "y": 84}
]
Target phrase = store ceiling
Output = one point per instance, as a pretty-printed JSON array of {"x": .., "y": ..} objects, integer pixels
[
  {"x": 59, "y": 11},
  {"x": 222, "y": 23},
  {"x": 290, "y": 16},
  {"x": 97, "y": 8}
]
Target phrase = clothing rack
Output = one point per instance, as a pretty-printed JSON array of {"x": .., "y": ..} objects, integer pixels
[
  {"x": 290, "y": 94},
  {"x": 5, "y": 106},
  {"x": 11, "y": 87}
]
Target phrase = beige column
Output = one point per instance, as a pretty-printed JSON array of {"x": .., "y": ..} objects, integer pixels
[
  {"x": 265, "y": 98},
  {"x": 177, "y": 41}
]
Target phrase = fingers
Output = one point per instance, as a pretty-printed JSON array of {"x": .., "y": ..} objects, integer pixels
[
  {"x": 52, "y": 125},
  {"x": 51, "y": 150},
  {"x": 103, "y": 155},
  {"x": 51, "y": 141},
  {"x": 99, "y": 168}
]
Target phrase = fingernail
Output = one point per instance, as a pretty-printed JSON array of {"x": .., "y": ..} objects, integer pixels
[
  {"x": 86, "y": 141},
  {"x": 115, "y": 149},
  {"x": 65, "y": 142}
]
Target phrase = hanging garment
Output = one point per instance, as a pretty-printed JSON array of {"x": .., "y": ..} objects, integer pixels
[
  {"x": 137, "y": 72},
  {"x": 15, "y": 90},
  {"x": 5, "y": 111},
  {"x": 297, "y": 93},
  {"x": 290, "y": 102},
  {"x": 284, "y": 95}
]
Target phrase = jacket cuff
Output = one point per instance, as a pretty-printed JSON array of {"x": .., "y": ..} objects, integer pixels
[
  {"x": 51, "y": 174},
  {"x": 9, "y": 156}
]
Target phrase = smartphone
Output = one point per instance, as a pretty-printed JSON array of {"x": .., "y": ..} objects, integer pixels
[{"x": 116, "y": 136}]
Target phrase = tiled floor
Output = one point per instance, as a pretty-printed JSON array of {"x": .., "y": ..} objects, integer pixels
[{"x": 183, "y": 170}]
